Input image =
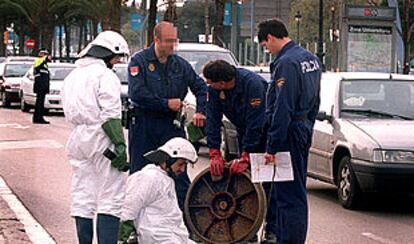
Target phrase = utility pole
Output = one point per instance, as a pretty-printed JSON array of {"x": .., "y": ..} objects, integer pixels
[
  {"x": 406, "y": 36},
  {"x": 320, "y": 53},
  {"x": 334, "y": 38},
  {"x": 252, "y": 31},
  {"x": 206, "y": 20},
  {"x": 298, "y": 17},
  {"x": 234, "y": 26}
]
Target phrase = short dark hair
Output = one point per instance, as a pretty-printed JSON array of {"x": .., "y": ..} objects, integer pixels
[
  {"x": 274, "y": 27},
  {"x": 219, "y": 70}
]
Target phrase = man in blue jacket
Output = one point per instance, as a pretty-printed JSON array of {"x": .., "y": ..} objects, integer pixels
[
  {"x": 239, "y": 94},
  {"x": 292, "y": 104},
  {"x": 158, "y": 83}
]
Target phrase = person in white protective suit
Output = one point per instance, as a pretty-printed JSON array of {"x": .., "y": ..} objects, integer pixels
[
  {"x": 91, "y": 102},
  {"x": 151, "y": 205}
]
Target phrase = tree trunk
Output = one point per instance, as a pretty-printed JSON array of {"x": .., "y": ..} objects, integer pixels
[
  {"x": 67, "y": 39},
  {"x": 115, "y": 19},
  {"x": 36, "y": 37},
  {"x": 60, "y": 42},
  {"x": 47, "y": 37},
  {"x": 170, "y": 14},
  {"x": 218, "y": 36},
  {"x": 80, "y": 35},
  {"x": 151, "y": 21},
  {"x": 2, "y": 46},
  {"x": 85, "y": 34},
  {"x": 105, "y": 24},
  {"x": 94, "y": 28},
  {"x": 21, "y": 37}
]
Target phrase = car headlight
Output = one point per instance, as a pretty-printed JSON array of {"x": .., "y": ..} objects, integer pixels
[{"x": 393, "y": 156}]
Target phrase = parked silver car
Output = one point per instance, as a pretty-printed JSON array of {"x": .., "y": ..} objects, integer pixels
[
  {"x": 364, "y": 139},
  {"x": 58, "y": 72},
  {"x": 11, "y": 74}
]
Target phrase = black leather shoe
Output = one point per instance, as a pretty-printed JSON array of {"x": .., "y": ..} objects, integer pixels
[{"x": 40, "y": 122}]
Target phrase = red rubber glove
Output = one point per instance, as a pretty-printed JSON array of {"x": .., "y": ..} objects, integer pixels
[
  {"x": 216, "y": 162},
  {"x": 240, "y": 165}
]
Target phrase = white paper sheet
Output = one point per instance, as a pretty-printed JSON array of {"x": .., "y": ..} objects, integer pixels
[{"x": 264, "y": 173}]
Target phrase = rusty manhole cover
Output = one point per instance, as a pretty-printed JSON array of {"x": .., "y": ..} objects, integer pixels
[{"x": 230, "y": 210}]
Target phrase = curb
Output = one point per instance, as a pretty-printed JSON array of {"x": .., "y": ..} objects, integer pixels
[{"x": 36, "y": 233}]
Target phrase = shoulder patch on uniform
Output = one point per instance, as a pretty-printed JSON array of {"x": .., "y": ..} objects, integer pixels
[
  {"x": 255, "y": 102},
  {"x": 134, "y": 70},
  {"x": 280, "y": 82}
]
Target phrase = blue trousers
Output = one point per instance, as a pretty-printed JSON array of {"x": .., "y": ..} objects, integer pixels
[
  {"x": 271, "y": 220},
  {"x": 148, "y": 133},
  {"x": 292, "y": 204}
]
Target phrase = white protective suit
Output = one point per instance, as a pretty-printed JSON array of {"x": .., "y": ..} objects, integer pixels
[
  {"x": 151, "y": 201},
  {"x": 91, "y": 96}
]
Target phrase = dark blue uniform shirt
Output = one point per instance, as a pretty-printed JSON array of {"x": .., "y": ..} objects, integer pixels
[
  {"x": 151, "y": 83},
  {"x": 244, "y": 106},
  {"x": 293, "y": 93}
]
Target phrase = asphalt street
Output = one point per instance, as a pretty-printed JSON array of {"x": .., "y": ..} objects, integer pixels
[{"x": 34, "y": 165}]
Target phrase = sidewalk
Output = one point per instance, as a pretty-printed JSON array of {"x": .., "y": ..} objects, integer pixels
[
  {"x": 11, "y": 229},
  {"x": 17, "y": 225}
]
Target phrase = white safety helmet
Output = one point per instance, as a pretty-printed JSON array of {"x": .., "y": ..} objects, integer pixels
[
  {"x": 110, "y": 40},
  {"x": 175, "y": 148}
]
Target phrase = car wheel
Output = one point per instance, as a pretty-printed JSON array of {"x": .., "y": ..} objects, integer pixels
[
  {"x": 4, "y": 100},
  {"x": 349, "y": 194},
  {"x": 24, "y": 106}
]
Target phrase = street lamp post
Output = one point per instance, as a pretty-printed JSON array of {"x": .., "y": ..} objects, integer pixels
[
  {"x": 334, "y": 39},
  {"x": 298, "y": 18},
  {"x": 320, "y": 53}
]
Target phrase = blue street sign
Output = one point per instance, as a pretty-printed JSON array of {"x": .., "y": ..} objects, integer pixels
[
  {"x": 136, "y": 22},
  {"x": 227, "y": 14},
  {"x": 99, "y": 29}
]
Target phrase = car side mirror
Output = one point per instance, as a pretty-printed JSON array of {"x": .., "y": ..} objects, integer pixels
[{"x": 322, "y": 116}]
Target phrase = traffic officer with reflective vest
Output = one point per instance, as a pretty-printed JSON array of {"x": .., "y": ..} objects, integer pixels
[
  {"x": 158, "y": 83},
  {"x": 41, "y": 85},
  {"x": 292, "y": 104},
  {"x": 239, "y": 94}
]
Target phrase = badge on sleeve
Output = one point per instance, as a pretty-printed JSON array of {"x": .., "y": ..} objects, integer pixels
[
  {"x": 255, "y": 102},
  {"x": 151, "y": 67},
  {"x": 280, "y": 82},
  {"x": 134, "y": 70},
  {"x": 222, "y": 95}
]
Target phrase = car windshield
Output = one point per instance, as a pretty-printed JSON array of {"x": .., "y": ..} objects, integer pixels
[
  {"x": 198, "y": 58},
  {"x": 122, "y": 73},
  {"x": 59, "y": 73},
  {"x": 16, "y": 70},
  {"x": 379, "y": 99}
]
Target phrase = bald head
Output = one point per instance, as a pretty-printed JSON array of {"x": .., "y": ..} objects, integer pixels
[
  {"x": 165, "y": 39},
  {"x": 163, "y": 27}
]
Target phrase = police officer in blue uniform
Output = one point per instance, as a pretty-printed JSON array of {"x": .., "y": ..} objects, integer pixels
[
  {"x": 158, "y": 83},
  {"x": 239, "y": 94},
  {"x": 292, "y": 104}
]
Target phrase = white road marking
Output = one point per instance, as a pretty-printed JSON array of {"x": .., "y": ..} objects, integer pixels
[
  {"x": 377, "y": 238},
  {"x": 37, "y": 234},
  {"x": 8, "y": 145},
  {"x": 14, "y": 126}
]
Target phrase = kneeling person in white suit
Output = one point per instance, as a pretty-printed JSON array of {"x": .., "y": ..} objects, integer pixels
[{"x": 151, "y": 205}]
